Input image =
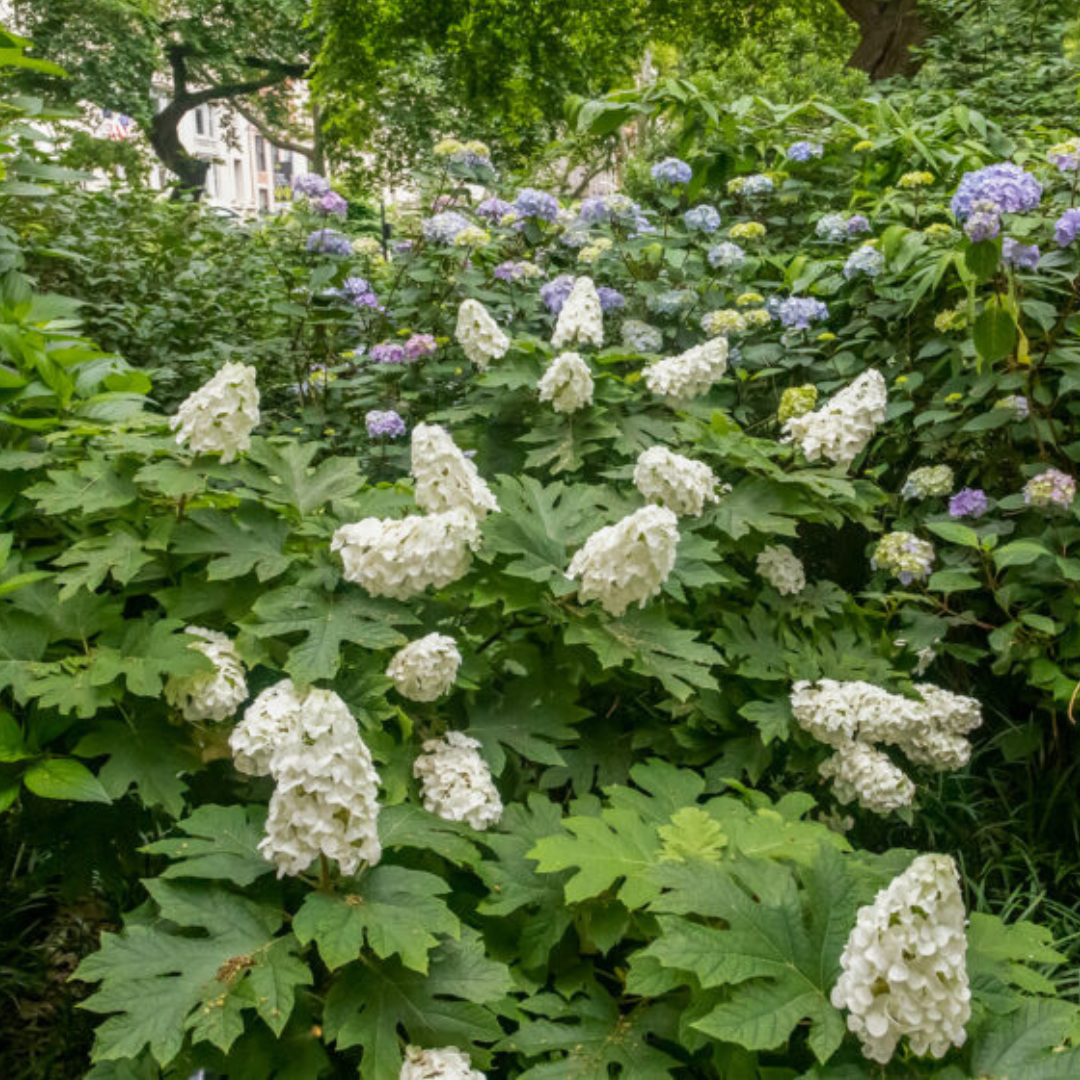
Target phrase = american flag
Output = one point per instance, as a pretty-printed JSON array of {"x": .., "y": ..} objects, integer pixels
[{"x": 116, "y": 126}]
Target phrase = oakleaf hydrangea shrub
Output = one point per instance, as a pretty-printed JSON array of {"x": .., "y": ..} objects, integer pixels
[{"x": 514, "y": 681}]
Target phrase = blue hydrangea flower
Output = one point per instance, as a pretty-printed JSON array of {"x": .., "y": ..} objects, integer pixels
[
  {"x": 968, "y": 502},
  {"x": 1067, "y": 228},
  {"x": 797, "y": 312},
  {"x": 984, "y": 221},
  {"x": 494, "y": 209},
  {"x": 384, "y": 424},
  {"x": 388, "y": 352},
  {"x": 310, "y": 185},
  {"x": 442, "y": 228},
  {"x": 554, "y": 294},
  {"x": 1019, "y": 256},
  {"x": 803, "y": 150},
  {"x": 331, "y": 203},
  {"x": 671, "y": 171},
  {"x": 329, "y": 242},
  {"x": 1008, "y": 188},
  {"x": 726, "y": 256},
  {"x": 531, "y": 203},
  {"x": 755, "y": 186},
  {"x": 610, "y": 299},
  {"x": 832, "y": 228},
  {"x": 670, "y": 302},
  {"x": 857, "y": 224},
  {"x": 358, "y": 293},
  {"x": 864, "y": 260},
  {"x": 704, "y": 219}
]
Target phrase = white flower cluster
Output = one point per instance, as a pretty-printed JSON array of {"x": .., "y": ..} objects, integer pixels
[
  {"x": 928, "y": 482},
  {"x": 782, "y": 569},
  {"x": 402, "y": 558},
  {"x": 627, "y": 562},
  {"x": 456, "y": 781},
  {"x": 209, "y": 695},
  {"x": 425, "y": 669},
  {"x": 859, "y": 772},
  {"x": 479, "y": 335},
  {"x": 581, "y": 317},
  {"x": 325, "y": 801},
  {"x": 444, "y": 478},
  {"x": 904, "y": 965},
  {"x": 567, "y": 383},
  {"x": 679, "y": 378},
  {"x": 221, "y": 414},
  {"x": 449, "y": 1063},
  {"x": 679, "y": 483},
  {"x": 841, "y": 428},
  {"x": 854, "y": 716}
]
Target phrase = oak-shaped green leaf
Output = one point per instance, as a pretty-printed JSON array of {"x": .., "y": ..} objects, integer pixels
[
  {"x": 397, "y": 911},
  {"x": 218, "y": 843}
]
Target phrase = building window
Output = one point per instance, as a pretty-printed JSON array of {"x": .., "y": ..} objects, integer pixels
[
  {"x": 200, "y": 121},
  {"x": 238, "y": 178},
  {"x": 260, "y": 153},
  {"x": 264, "y": 199}
]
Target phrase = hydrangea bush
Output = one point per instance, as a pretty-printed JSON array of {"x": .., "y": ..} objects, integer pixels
[{"x": 552, "y": 702}]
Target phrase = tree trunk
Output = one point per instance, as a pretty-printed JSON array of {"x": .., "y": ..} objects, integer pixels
[
  {"x": 165, "y": 139},
  {"x": 888, "y": 29}
]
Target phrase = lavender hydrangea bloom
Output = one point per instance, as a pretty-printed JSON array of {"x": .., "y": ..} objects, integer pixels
[
  {"x": 388, "y": 352},
  {"x": 331, "y": 203},
  {"x": 671, "y": 171},
  {"x": 329, "y": 242},
  {"x": 444, "y": 227},
  {"x": 1052, "y": 489},
  {"x": 512, "y": 270},
  {"x": 704, "y": 219},
  {"x": 554, "y": 294},
  {"x": 402, "y": 247},
  {"x": 1019, "y": 256},
  {"x": 797, "y": 312},
  {"x": 494, "y": 209},
  {"x": 531, "y": 203},
  {"x": 610, "y": 299},
  {"x": 983, "y": 223},
  {"x": 382, "y": 424},
  {"x": 726, "y": 256},
  {"x": 310, "y": 185},
  {"x": 1067, "y": 227},
  {"x": 1066, "y": 156},
  {"x": 1007, "y": 187},
  {"x": 670, "y": 302},
  {"x": 968, "y": 502},
  {"x": 865, "y": 260},
  {"x": 803, "y": 150},
  {"x": 419, "y": 346},
  {"x": 358, "y": 293},
  {"x": 857, "y": 224}
]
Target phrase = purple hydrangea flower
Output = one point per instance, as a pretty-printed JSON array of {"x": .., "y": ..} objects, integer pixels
[
  {"x": 358, "y": 293},
  {"x": 494, "y": 209},
  {"x": 382, "y": 424},
  {"x": 726, "y": 256},
  {"x": 402, "y": 247},
  {"x": 331, "y": 203},
  {"x": 983, "y": 223},
  {"x": 443, "y": 227},
  {"x": 388, "y": 352},
  {"x": 1051, "y": 489},
  {"x": 671, "y": 171},
  {"x": 968, "y": 502},
  {"x": 555, "y": 293},
  {"x": 1007, "y": 187},
  {"x": 610, "y": 299},
  {"x": 329, "y": 242},
  {"x": 511, "y": 270},
  {"x": 1067, "y": 227},
  {"x": 704, "y": 219},
  {"x": 1066, "y": 156},
  {"x": 857, "y": 224},
  {"x": 310, "y": 185},
  {"x": 419, "y": 346},
  {"x": 531, "y": 203},
  {"x": 797, "y": 312},
  {"x": 1019, "y": 256},
  {"x": 803, "y": 150}
]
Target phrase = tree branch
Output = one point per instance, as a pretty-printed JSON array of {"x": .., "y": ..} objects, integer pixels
[{"x": 272, "y": 136}]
